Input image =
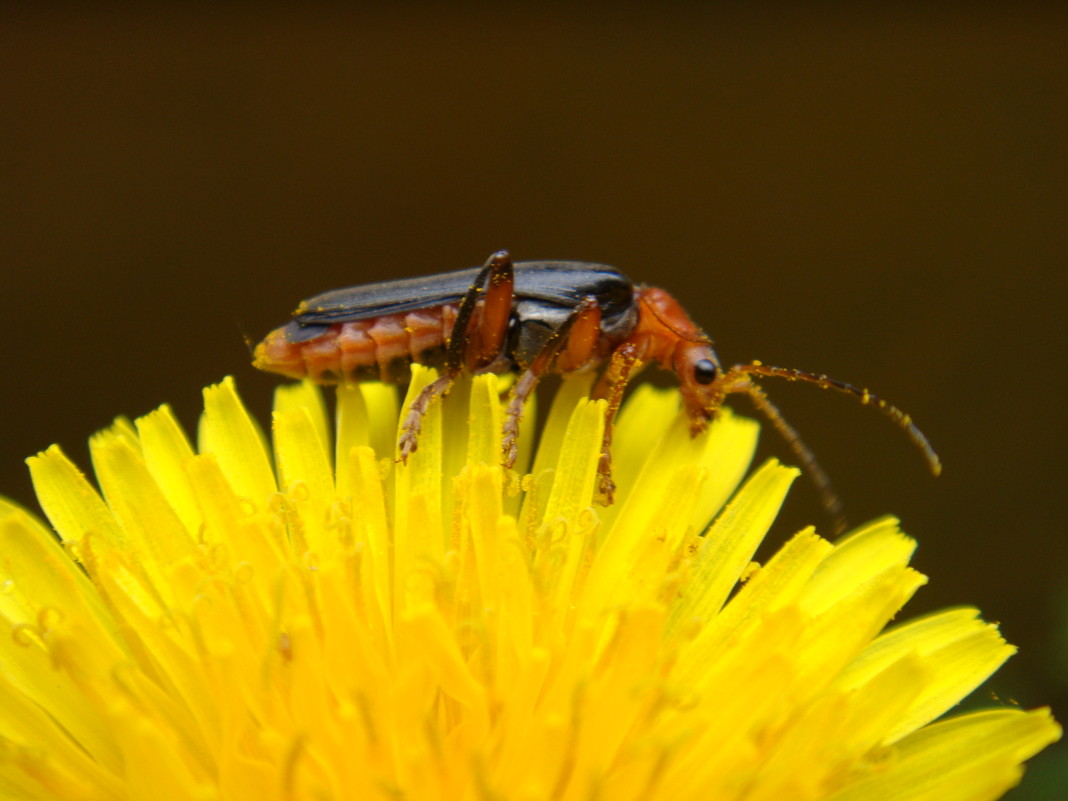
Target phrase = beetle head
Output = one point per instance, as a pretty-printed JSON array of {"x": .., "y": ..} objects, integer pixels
[
  {"x": 672, "y": 339},
  {"x": 699, "y": 372}
]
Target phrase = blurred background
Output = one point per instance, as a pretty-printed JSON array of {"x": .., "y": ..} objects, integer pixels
[{"x": 875, "y": 194}]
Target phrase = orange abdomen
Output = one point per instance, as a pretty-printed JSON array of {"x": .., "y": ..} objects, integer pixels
[{"x": 378, "y": 348}]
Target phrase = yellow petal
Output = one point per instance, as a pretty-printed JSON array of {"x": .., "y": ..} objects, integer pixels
[{"x": 332, "y": 624}]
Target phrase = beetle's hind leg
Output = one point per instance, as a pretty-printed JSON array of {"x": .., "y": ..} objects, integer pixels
[
  {"x": 413, "y": 421},
  {"x": 474, "y": 342}
]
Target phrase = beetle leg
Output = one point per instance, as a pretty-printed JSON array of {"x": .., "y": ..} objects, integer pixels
[
  {"x": 413, "y": 421},
  {"x": 476, "y": 341},
  {"x": 574, "y": 342},
  {"x": 580, "y": 333},
  {"x": 487, "y": 339},
  {"x": 480, "y": 341},
  {"x": 521, "y": 392},
  {"x": 624, "y": 366}
]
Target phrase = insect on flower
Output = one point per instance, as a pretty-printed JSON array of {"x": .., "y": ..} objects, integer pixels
[{"x": 533, "y": 318}]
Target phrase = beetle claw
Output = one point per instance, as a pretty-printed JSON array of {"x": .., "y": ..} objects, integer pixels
[
  {"x": 409, "y": 443},
  {"x": 409, "y": 439},
  {"x": 606, "y": 487},
  {"x": 606, "y": 490},
  {"x": 510, "y": 432}
]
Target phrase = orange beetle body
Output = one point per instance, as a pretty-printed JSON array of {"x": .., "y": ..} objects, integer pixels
[{"x": 532, "y": 318}]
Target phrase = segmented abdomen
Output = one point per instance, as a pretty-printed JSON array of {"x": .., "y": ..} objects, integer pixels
[{"x": 379, "y": 348}]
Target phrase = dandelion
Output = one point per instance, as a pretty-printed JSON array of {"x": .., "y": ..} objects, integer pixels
[{"x": 315, "y": 622}]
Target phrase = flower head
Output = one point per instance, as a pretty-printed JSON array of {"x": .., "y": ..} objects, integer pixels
[{"x": 310, "y": 621}]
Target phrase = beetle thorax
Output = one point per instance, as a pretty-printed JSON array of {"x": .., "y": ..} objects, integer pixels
[{"x": 663, "y": 328}]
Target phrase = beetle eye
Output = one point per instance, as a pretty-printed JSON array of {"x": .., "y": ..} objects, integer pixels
[{"x": 704, "y": 371}]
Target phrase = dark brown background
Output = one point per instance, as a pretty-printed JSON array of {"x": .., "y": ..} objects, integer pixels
[{"x": 880, "y": 196}]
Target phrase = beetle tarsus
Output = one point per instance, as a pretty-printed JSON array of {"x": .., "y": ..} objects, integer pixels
[
  {"x": 513, "y": 414},
  {"x": 606, "y": 487},
  {"x": 510, "y": 433}
]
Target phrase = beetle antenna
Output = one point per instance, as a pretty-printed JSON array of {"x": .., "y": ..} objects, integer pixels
[
  {"x": 903, "y": 420},
  {"x": 250, "y": 343},
  {"x": 809, "y": 464}
]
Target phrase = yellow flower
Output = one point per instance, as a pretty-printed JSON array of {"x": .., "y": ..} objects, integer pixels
[{"x": 210, "y": 626}]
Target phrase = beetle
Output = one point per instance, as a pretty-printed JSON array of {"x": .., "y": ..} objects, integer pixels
[{"x": 534, "y": 318}]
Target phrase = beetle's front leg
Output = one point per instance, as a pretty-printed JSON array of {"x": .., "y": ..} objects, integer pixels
[
  {"x": 569, "y": 348},
  {"x": 624, "y": 366},
  {"x": 473, "y": 342}
]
